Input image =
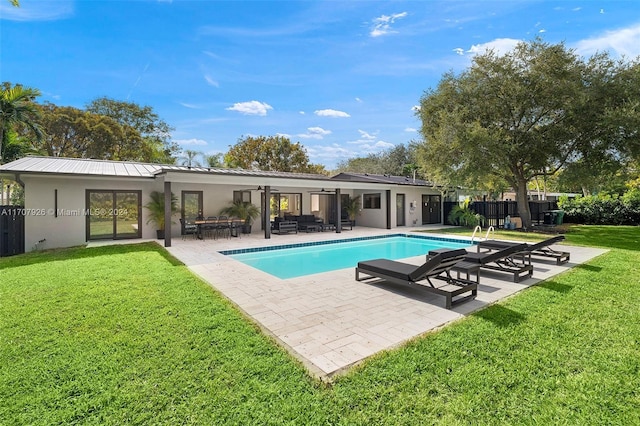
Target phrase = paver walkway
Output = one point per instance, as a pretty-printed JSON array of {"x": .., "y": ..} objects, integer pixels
[{"x": 330, "y": 321}]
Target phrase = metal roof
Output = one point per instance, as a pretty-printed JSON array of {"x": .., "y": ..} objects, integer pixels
[
  {"x": 390, "y": 179},
  {"x": 133, "y": 169},
  {"x": 86, "y": 166}
]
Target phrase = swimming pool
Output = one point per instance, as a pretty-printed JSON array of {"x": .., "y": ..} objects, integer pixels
[{"x": 296, "y": 260}]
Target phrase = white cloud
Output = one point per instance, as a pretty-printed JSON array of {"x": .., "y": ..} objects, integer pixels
[
  {"x": 45, "y": 10},
  {"x": 368, "y": 143},
  {"x": 190, "y": 141},
  {"x": 315, "y": 133},
  {"x": 367, "y": 136},
  {"x": 302, "y": 112},
  {"x": 210, "y": 81},
  {"x": 190, "y": 106},
  {"x": 410, "y": 130},
  {"x": 625, "y": 41},
  {"x": 251, "y": 108},
  {"x": 331, "y": 113},
  {"x": 500, "y": 46},
  {"x": 542, "y": 30},
  {"x": 416, "y": 108},
  {"x": 359, "y": 100},
  {"x": 382, "y": 25},
  {"x": 459, "y": 51},
  {"x": 576, "y": 9}
]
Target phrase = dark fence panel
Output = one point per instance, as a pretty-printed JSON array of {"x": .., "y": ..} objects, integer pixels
[
  {"x": 496, "y": 211},
  {"x": 11, "y": 230}
]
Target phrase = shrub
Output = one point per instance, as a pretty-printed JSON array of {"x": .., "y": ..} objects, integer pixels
[
  {"x": 463, "y": 215},
  {"x": 603, "y": 209}
]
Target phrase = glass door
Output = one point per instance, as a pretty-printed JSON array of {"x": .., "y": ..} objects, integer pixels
[
  {"x": 400, "y": 220},
  {"x": 113, "y": 214},
  {"x": 191, "y": 205}
]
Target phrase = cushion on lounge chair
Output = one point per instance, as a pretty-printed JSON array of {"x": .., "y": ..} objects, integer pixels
[{"x": 436, "y": 267}]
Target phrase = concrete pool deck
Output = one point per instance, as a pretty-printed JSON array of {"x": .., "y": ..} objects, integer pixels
[{"x": 329, "y": 321}]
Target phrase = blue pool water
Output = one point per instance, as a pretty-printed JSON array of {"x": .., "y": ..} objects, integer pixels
[{"x": 298, "y": 260}]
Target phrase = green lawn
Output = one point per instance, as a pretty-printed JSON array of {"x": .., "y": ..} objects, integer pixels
[{"x": 127, "y": 335}]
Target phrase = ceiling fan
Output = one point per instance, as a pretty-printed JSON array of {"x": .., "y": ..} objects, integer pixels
[{"x": 322, "y": 191}]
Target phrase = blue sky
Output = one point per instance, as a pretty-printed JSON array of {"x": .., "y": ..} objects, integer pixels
[{"x": 342, "y": 78}]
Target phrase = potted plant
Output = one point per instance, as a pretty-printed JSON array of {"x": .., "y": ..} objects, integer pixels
[
  {"x": 156, "y": 210},
  {"x": 352, "y": 207},
  {"x": 243, "y": 210}
]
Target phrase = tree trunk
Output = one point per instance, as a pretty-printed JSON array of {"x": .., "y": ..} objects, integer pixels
[{"x": 523, "y": 204}]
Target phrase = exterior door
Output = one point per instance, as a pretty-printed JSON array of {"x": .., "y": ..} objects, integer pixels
[
  {"x": 400, "y": 211},
  {"x": 431, "y": 209},
  {"x": 113, "y": 215},
  {"x": 191, "y": 206}
]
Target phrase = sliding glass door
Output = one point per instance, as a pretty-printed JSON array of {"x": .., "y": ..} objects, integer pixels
[{"x": 113, "y": 215}]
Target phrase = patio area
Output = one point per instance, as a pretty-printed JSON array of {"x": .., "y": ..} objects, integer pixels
[{"x": 330, "y": 321}]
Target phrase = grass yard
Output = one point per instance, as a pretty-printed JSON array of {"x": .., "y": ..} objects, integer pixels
[{"x": 125, "y": 334}]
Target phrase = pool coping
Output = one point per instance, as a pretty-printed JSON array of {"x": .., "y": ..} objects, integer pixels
[
  {"x": 345, "y": 240},
  {"x": 329, "y": 321}
]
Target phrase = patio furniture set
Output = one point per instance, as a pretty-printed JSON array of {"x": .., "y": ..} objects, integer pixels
[
  {"x": 212, "y": 227},
  {"x": 307, "y": 223},
  {"x": 495, "y": 255}
]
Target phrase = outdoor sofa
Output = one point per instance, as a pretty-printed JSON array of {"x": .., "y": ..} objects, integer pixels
[
  {"x": 436, "y": 267},
  {"x": 281, "y": 226}
]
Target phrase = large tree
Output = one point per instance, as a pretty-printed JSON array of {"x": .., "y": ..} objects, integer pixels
[
  {"x": 154, "y": 144},
  {"x": 71, "y": 132},
  {"x": 276, "y": 153},
  {"x": 18, "y": 110},
  {"x": 398, "y": 160},
  {"x": 527, "y": 113}
]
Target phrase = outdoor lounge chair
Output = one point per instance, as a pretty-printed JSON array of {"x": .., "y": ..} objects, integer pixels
[
  {"x": 436, "y": 267},
  {"x": 503, "y": 260},
  {"x": 541, "y": 248}
]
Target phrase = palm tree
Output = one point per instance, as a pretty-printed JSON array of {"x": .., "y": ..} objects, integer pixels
[
  {"x": 214, "y": 160},
  {"x": 189, "y": 158},
  {"x": 17, "y": 108}
]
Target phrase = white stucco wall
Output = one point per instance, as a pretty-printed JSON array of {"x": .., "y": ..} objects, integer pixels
[{"x": 69, "y": 228}]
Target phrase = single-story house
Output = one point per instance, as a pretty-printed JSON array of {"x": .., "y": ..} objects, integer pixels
[{"x": 70, "y": 201}]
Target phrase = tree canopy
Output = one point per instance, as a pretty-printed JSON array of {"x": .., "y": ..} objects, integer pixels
[
  {"x": 154, "y": 142},
  {"x": 398, "y": 161},
  {"x": 275, "y": 153},
  {"x": 528, "y": 113},
  {"x": 18, "y": 112}
]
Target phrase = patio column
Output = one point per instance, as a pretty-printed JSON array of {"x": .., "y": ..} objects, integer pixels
[
  {"x": 167, "y": 214},
  {"x": 388, "y": 194},
  {"x": 338, "y": 211},
  {"x": 267, "y": 212}
]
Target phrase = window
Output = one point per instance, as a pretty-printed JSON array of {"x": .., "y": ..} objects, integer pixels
[
  {"x": 244, "y": 196},
  {"x": 285, "y": 205},
  {"x": 371, "y": 201}
]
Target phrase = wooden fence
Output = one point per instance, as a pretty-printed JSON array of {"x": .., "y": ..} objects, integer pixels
[{"x": 11, "y": 230}]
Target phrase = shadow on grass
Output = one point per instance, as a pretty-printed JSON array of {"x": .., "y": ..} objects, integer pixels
[
  {"x": 84, "y": 252},
  {"x": 589, "y": 268},
  {"x": 500, "y": 316},
  {"x": 555, "y": 286}
]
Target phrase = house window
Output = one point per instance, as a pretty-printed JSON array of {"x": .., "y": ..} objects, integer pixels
[
  {"x": 244, "y": 196},
  {"x": 371, "y": 201}
]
